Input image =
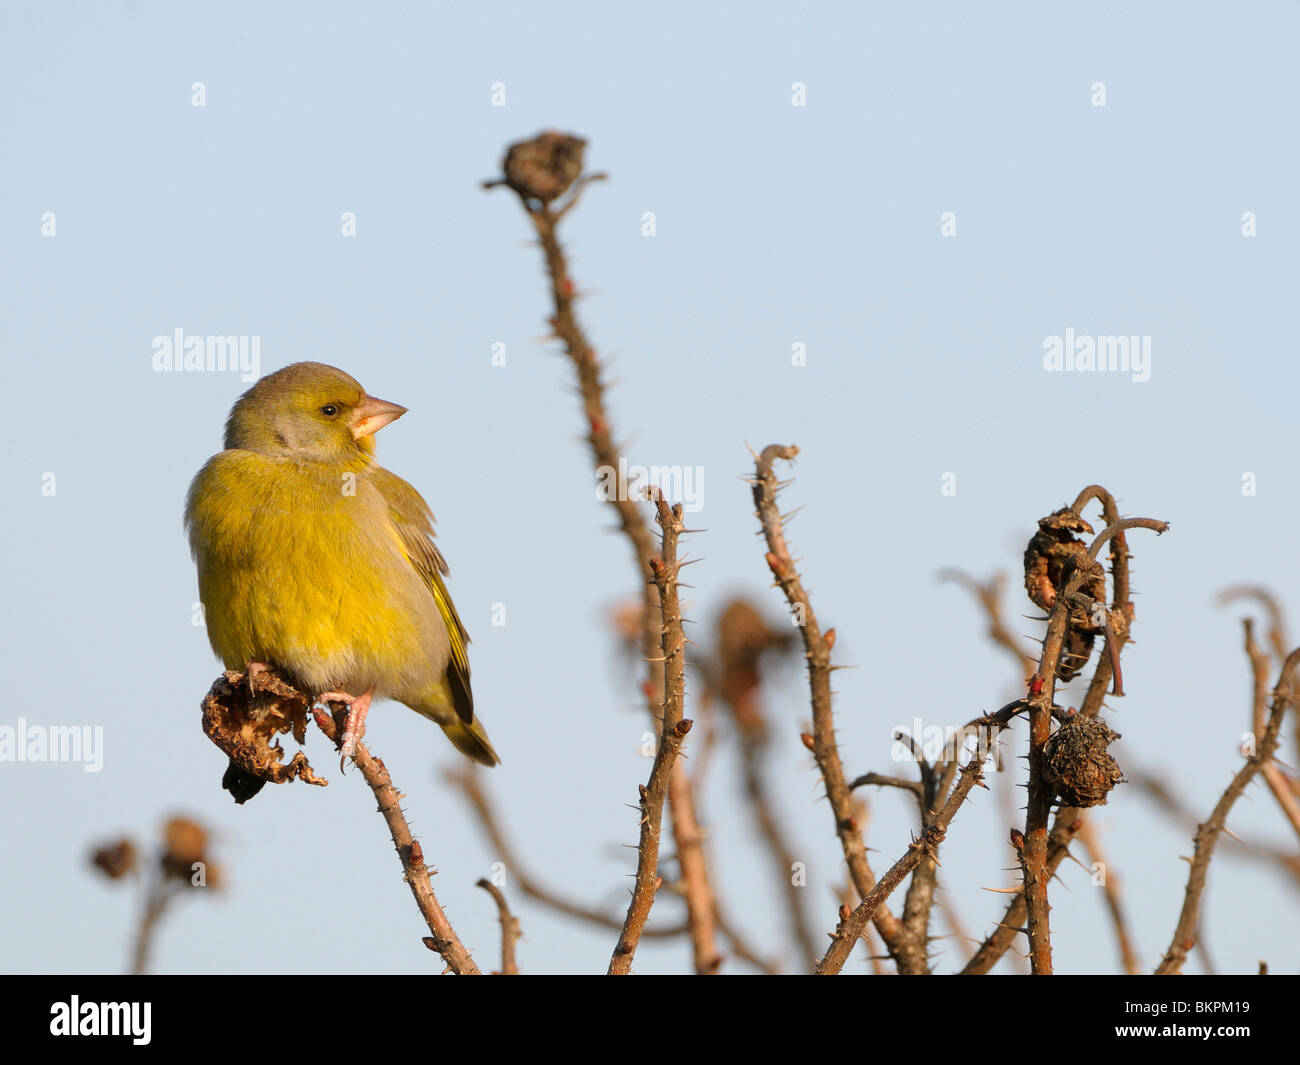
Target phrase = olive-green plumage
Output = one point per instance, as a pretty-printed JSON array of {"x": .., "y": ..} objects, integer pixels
[{"x": 314, "y": 558}]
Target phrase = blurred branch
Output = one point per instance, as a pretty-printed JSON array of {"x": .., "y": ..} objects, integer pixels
[
  {"x": 464, "y": 778},
  {"x": 184, "y": 865},
  {"x": 732, "y": 675},
  {"x": 1162, "y": 794},
  {"x": 782, "y": 854},
  {"x": 743, "y": 950},
  {"x": 989, "y": 597},
  {"x": 181, "y": 866},
  {"x": 509, "y": 927},
  {"x": 159, "y": 896},
  {"x": 1277, "y": 639},
  {"x": 1091, "y": 841},
  {"x": 956, "y": 926},
  {"x": 1185, "y": 933},
  {"x": 1279, "y": 783},
  {"x": 695, "y": 885}
]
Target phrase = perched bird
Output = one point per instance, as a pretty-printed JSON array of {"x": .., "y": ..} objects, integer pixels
[{"x": 315, "y": 559}]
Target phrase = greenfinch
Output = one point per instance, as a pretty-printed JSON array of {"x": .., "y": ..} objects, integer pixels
[{"x": 316, "y": 560}]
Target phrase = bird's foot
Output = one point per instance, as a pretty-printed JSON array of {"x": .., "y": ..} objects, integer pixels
[
  {"x": 254, "y": 670},
  {"x": 355, "y": 725}
]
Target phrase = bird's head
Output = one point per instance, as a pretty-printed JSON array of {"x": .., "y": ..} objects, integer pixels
[{"x": 309, "y": 410}]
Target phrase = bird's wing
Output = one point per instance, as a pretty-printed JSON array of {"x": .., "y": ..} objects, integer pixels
[{"x": 413, "y": 520}]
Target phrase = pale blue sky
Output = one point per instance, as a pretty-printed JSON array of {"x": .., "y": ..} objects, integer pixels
[{"x": 775, "y": 225}]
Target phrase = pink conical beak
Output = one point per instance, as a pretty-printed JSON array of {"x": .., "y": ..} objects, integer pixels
[{"x": 371, "y": 415}]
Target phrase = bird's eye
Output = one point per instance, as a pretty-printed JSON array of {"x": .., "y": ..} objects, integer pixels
[{"x": 329, "y": 410}]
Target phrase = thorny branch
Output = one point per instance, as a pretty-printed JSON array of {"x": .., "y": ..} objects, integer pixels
[
  {"x": 442, "y": 938},
  {"x": 909, "y": 954},
  {"x": 1052, "y": 847},
  {"x": 244, "y": 713},
  {"x": 1041, "y": 701},
  {"x": 541, "y": 171},
  {"x": 1012, "y": 923},
  {"x": 673, "y": 730},
  {"x": 1108, "y": 664},
  {"x": 853, "y": 924}
]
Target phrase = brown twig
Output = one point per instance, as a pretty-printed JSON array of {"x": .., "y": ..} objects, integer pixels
[
  {"x": 545, "y": 216},
  {"x": 1108, "y": 664},
  {"x": 673, "y": 730},
  {"x": 1207, "y": 834},
  {"x": 443, "y": 938},
  {"x": 591, "y": 386},
  {"x": 910, "y": 955},
  {"x": 880, "y": 780},
  {"x": 509, "y": 927},
  {"x": 848, "y": 898}
]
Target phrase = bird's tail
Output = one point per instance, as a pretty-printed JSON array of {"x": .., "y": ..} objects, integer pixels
[{"x": 471, "y": 740}]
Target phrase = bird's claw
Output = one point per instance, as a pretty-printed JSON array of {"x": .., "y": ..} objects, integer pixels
[
  {"x": 252, "y": 672},
  {"x": 347, "y": 750},
  {"x": 353, "y": 728}
]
